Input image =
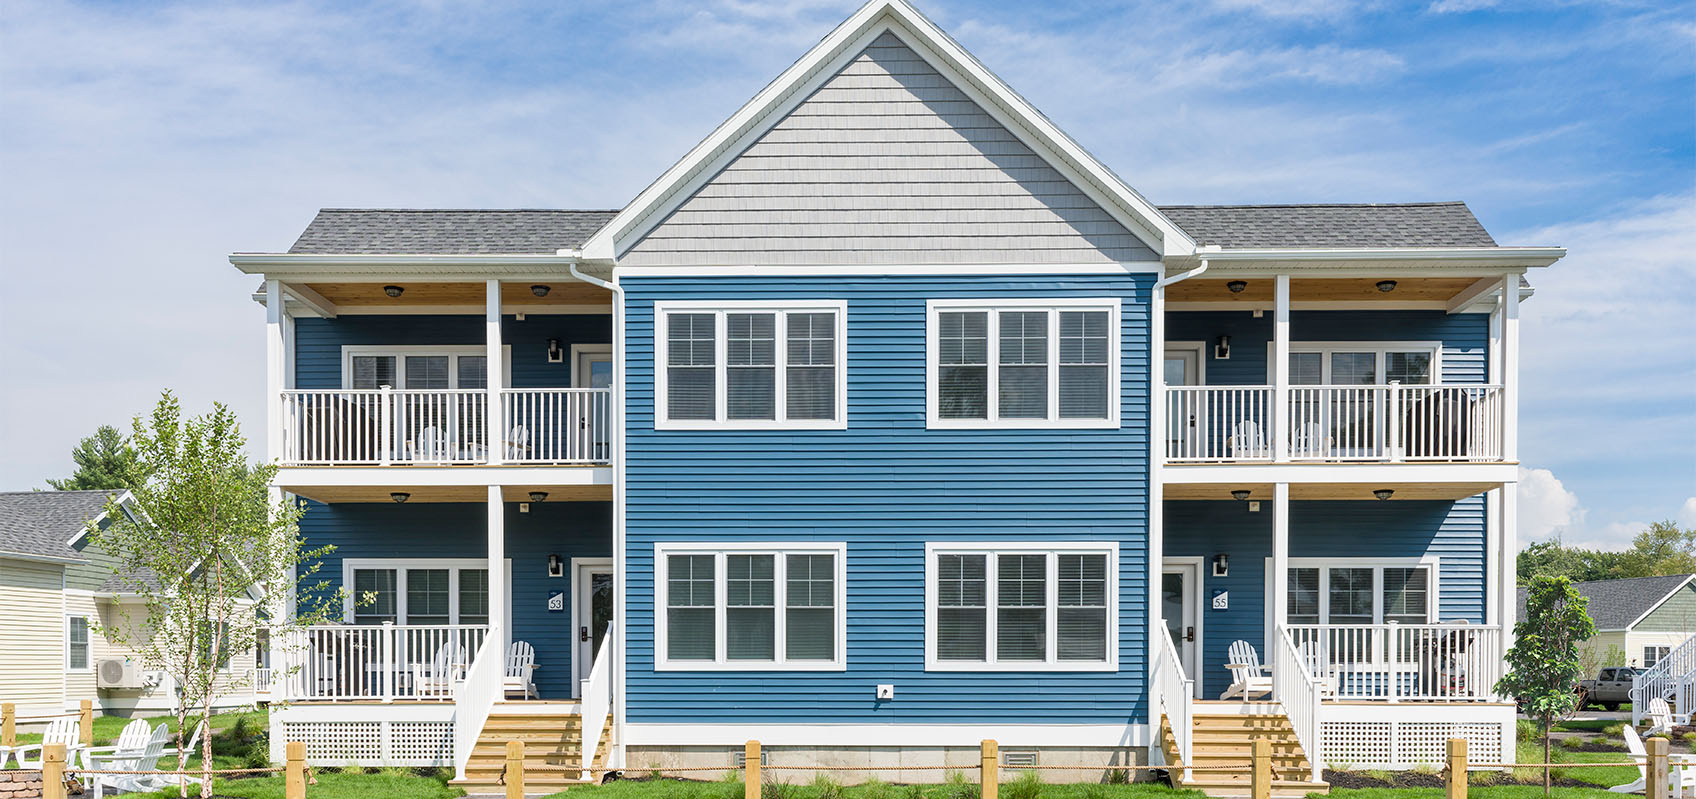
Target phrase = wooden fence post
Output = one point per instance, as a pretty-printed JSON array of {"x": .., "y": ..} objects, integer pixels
[
  {"x": 1260, "y": 774},
  {"x": 8, "y": 724},
  {"x": 53, "y": 772},
  {"x": 751, "y": 770},
  {"x": 514, "y": 770},
  {"x": 1655, "y": 787},
  {"x": 294, "y": 770},
  {"x": 86, "y": 722},
  {"x": 1456, "y": 778},
  {"x": 989, "y": 765}
]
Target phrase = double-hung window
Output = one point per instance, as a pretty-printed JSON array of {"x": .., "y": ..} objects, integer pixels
[
  {"x": 76, "y": 643},
  {"x": 1654, "y": 654},
  {"x": 1363, "y": 363},
  {"x": 751, "y": 607},
  {"x": 1354, "y": 593},
  {"x": 417, "y": 591},
  {"x": 749, "y": 366},
  {"x": 1019, "y": 607},
  {"x": 417, "y": 367},
  {"x": 1022, "y": 363}
]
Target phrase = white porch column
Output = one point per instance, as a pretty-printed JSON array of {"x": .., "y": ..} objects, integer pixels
[
  {"x": 1510, "y": 367},
  {"x": 1280, "y": 599},
  {"x": 276, "y": 368},
  {"x": 1281, "y": 370},
  {"x": 497, "y": 378},
  {"x": 1156, "y": 458},
  {"x": 500, "y": 604}
]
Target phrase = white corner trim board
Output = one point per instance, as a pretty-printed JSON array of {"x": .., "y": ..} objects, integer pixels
[{"x": 885, "y": 735}]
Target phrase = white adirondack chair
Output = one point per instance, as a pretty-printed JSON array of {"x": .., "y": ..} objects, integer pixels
[
  {"x": 145, "y": 758},
  {"x": 1310, "y": 441},
  {"x": 1310, "y": 657},
  {"x": 1683, "y": 767},
  {"x": 134, "y": 736},
  {"x": 431, "y": 445},
  {"x": 1246, "y": 441},
  {"x": 193, "y": 741},
  {"x": 1662, "y": 719},
  {"x": 1248, "y": 678},
  {"x": 66, "y": 730},
  {"x": 436, "y": 677},
  {"x": 517, "y": 443},
  {"x": 520, "y": 668}
]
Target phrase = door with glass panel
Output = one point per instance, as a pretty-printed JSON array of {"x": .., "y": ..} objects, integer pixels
[
  {"x": 592, "y": 611},
  {"x": 1180, "y": 587},
  {"x": 593, "y": 369},
  {"x": 1184, "y": 422}
]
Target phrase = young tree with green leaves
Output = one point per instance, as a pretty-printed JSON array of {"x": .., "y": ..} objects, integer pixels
[
  {"x": 1544, "y": 665},
  {"x": 104, "y": 460},
  {"x": 211, "y": 556}
]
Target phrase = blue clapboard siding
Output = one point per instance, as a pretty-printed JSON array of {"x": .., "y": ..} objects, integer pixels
[
  {"x": 886, "y": 485},
  {"x": 1465, "y": 338},
  {"x": 460, "y": 530},
  {"x": 318, "y": 342},
  {"x": 1451, "y": 531}
]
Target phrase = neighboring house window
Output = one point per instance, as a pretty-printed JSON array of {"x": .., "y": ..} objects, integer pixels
[
  {"x": 1363, "y": 363},
  {"x": 729, "y": 366},
  {"x": 76, "y": 643},
  {"x": 1023, "y": 363},
  {"x": 431, "y": 592},
  {"x": 218, "y": 632},
  {"x": 416, "y": 368},
  {"x": 1654, "y": 654},
  {"x": 1344, "y": 593},
  {"x": 751, "y": 606},
  {"x": 1021, "y": 607}
]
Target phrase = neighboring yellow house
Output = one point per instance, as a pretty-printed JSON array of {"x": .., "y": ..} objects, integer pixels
[
  {"x": 1647, "y": 617},
  {"x": 56, "y": 592}
]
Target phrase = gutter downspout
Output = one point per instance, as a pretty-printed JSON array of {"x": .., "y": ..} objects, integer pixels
[{"x": 615, "y": 758}]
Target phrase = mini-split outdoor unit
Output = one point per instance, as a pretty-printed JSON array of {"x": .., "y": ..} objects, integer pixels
[{"x": 117, "y": 673}]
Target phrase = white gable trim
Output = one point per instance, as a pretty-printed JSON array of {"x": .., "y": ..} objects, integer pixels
[
  {"x": 827, "y": 58},
  {"x": 1658, "y": 604}
]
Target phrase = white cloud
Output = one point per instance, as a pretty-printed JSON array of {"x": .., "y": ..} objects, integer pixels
[
  {"x": 1461, "y": 6},
  {"x": 1687, "y": 513},
  {"x": 1546, "y": 508}
]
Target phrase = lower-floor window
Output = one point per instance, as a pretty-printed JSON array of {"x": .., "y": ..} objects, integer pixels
[
  {"x": 750, "y": 606},
  {"x": 1654, "y": 654},
  {"x": 1018, "y": 606},
  {"x": 420, "y": 591},
  {"x": 76, "y": 642},
  {"x": 1342, "y": 593}
]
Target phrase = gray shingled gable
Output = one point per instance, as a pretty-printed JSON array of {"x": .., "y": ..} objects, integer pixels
[
  {"x": 40, "y": 523},
  {"x": 361, "y": 231},
  {"x": 1615, "y": 604},
  {"x": 1445, "y": 224}
]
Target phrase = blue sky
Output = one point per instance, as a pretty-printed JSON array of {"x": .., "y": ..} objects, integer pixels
[{"x": 140, "y": 143}]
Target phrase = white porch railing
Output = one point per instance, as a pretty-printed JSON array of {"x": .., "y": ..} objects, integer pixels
[
  {"x": 484, "y": 684},
  {"x": 1210, "y": 424},
  {"x": 385, "y": 662},
  {"x": 1670, "y": 677},
  {"x": 557, "y": 425},
  {"x": 597, "y": 702},
  {"x": 1298, "y": 691},
  {"x": 1402, "y": 662},
  {"x": 263, "y": 679},
  {"x": 1175, "y": 694}
]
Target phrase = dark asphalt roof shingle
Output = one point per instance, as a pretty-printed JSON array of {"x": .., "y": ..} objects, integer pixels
[
  {"x": 1445, "y": 224},
  {"x": 41, "y": 523},
  {"x": 1615, "y": 604},
  {"x": 361, "y": 231}
]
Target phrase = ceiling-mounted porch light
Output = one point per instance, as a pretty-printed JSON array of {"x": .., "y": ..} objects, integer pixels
[
  {"x": 1386, "y": 286},
  {"x": 1384, "y": 493},
  {"x": 1237, "y": 286},
  {"x": 399, "y": 496},
  {"x": 539, "y": 290},
  {"x": 538, "y": 496},
  {"x": 393, "y": 291},
  {"x": 1240, "y": 494}
]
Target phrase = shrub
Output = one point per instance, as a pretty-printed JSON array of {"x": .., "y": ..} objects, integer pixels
[
  {"x": 1614, "y": 730},
  {"x": 1572, "y": 742},
  {"x": 1027, "y": 786},
  {"x": 1425, "y": 768},
  {"x": 1118, "y": 776},
  {"x": 1527, "y": 730},
  {"x": 824, "y": 787},
  {"x": 875, "y": 788},
  {"x": 958, "y": 787},
  {"x": 779, "y": 789},
  {"x": 729, "y": 786},
  {"x": 915, "y": 792}
]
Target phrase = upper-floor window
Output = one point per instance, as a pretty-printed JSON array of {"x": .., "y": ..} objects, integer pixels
[
  {"x": 753, "y": 365},
  {"x": 1023, "y": 363},
  {"x": 416, "y": 368},
  {"x": 750, "y": 606},
  {"x": 1021, "y": 607},
  {"x": 1364, "y": 363}
]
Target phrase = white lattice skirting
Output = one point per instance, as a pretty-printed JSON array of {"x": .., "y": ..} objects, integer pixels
[
  {"x": 374, "y": 743},
  {"x": 1406, "y": 744}
]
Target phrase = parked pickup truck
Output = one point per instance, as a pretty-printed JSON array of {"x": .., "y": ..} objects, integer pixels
[{"x": 1610, "y": 689}]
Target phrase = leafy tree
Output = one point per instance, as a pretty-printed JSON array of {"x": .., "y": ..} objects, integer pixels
[
  {"x": 104, "y": 460},
  {"x": 211, "y": 558},
  {"x": 1661, "y": 550},
  {"x": 1543, "y": 665}
]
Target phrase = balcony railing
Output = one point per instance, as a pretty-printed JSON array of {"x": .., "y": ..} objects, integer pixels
[
  {"x": 1219, "y": 424},
  {"x": 382, "y": 662},
  {"x": 379, "y": 427},
  {"x": 1402, "y": 662}
]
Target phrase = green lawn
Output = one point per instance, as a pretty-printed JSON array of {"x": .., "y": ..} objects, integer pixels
[
  {"x": 106, "y": 728},
  {"x": 1474, "y": 792},
  {"x": 680, "y": 789},
  {"x": 1587, "y": 725},
  {"x": 391, "y": 785}
]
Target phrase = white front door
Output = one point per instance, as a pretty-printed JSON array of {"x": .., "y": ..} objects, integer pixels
[
  {"x": 591, "y": 613},
  {"x": 1180, "y": 601}
]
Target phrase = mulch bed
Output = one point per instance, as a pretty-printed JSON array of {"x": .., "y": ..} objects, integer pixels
[{"x": 1412, "y": 779}]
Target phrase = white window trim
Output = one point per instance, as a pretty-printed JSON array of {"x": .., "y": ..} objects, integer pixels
[
  {"x": 1051, "y": 548},
  {"x": 720, "y": 421},
  {"x": 350, "y": 350},
  {"x": 662, "y": 660},
  {"x": 400, "y": 565},
  {"x": 1379, "y": 348},
  {"x": 1431, "y": 563},
  {"x": 89, "y": 658},
  {"x": 934, "y": 420}
]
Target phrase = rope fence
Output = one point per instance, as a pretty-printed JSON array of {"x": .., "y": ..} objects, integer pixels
[{"x": 9, "y": 721}]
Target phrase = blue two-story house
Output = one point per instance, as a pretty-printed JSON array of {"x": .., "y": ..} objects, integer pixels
[{"x": 887, "y": 421}]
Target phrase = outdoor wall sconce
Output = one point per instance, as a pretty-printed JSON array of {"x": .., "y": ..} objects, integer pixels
[
  {"x": 393, "y": 291},
  {"x": 1240, "y": 494},
  {"x": 1386, "y": 286},
  {"x": 1237, "y": 286},
  {"x": 538, "y": 496},
  {"x": 1222, "y": 350},
  {"x": 1221, "y": 565},
  {"x": 399, "y": 496},
  {"x": 555, "y": 567},
  {"x": 539, "y": 290},
  {"x": 1384, "y": 493},
  {"x": 555, "y": 354}
]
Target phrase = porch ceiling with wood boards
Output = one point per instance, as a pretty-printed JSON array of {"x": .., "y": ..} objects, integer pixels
[
  {"x": 1260, "y": 290},
  {"x": 516, "y": 295},
  {"x": 1329, "y": 491},
  {"x": 459, "y": 493}
]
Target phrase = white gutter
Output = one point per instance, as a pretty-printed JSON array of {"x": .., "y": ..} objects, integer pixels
[{"x": 1178, "y": 278}]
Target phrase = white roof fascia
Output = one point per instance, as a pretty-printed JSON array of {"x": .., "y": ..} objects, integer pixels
[
  {"x": 124, "y": 497},
  {"x": 1448, "y": 258},
  {"x": 373, "y": 268},
  {"x": 1663, "y": 601},
  {"x": 793, "y": 86}
]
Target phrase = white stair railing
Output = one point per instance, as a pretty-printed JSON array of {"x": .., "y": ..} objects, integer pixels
[
  {"x": 1175, "y": 695},
  {"x": 484, "y": 684},
  {"x": 1672, "y": 678},
  {"x": 1298, "y": 692},
  {"x": 597, "y": 702}
]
